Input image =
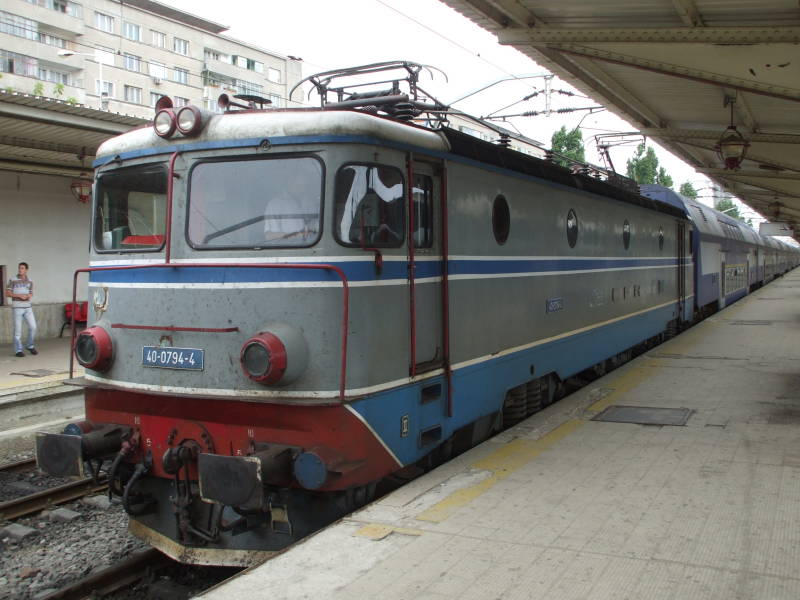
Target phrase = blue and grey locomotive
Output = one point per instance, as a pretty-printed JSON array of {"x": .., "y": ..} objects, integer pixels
[{"x": 290, "y": 306}]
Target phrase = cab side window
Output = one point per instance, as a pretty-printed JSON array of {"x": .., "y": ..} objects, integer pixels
[{"x": 369, "y": 206}]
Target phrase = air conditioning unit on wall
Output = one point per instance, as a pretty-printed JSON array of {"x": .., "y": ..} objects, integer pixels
[{"x": 157, "y": 80}]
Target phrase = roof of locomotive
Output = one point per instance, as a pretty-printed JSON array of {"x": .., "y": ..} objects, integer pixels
[
  {"x": 288, "y": 125},
  {"x": 270, "y": 124}
]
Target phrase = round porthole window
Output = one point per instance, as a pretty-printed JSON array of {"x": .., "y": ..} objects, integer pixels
[
  {"x": 572, "y": 228},
  {"x": 626, "y": 234},
  {"x": 501, "y": 219},
  {"x": 660, "y": 238}
]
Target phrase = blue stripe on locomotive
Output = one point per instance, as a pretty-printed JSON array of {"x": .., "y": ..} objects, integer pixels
[
  {"x": 480, "y": 389},
  {"x": 365, "y": 270}
]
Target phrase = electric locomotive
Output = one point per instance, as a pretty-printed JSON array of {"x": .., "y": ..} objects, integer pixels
[{"x": 289, "y": 307}]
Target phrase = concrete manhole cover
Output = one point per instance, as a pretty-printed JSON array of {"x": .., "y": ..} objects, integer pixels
[
  {"x": 644, "y": 415},
  {"x": 37, "y": 373}
]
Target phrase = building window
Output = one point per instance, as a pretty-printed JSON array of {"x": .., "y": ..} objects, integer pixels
[
  {"x": 18, "y": 26},
  {"x": 104, "y": 22},
  {"x": 248, "y": 87},
  {"x": 132, "y": 63},
  {"x": 158, "y": 39},
  {"x": 276, "y": 100},
  {"x": 211, "y": 54},
  {"x": 274, "y": 75},
  {"x": 107, "y": 89},
  {"x": 157, "y": 70},
  {"x": 63, "y": 6},
  {"x": 132, "y": 31},
  {"x": 180, "y": 46},
  {"x": 155, "y": 97},
  {"x": 181, "y": 101},
  {"x": 11, "y": 62},
  {"x": 180, "y": 75},
  {"x": 133, "y": 94},
  {"x": 54, "y": 76}
]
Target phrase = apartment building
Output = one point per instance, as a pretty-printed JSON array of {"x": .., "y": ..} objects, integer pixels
[{"x": 121, "y": 56}]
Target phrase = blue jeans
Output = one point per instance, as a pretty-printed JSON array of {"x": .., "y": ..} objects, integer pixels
[{"x": 27, "y": 314}]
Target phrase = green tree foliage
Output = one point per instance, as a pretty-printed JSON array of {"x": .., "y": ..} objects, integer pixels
[
  {"x": 663, "y": 178},
  {"x": 643, "y": 167},
  {"x": 569, "y": 144},
  {"x": 687, "y": 189},
  {"x": 58, "y": 90},
  {"x": 727, "y": 206},
  {"x": 38, "y": 89}
]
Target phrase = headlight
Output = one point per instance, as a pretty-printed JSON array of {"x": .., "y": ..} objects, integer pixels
[
  {"x": 190, "y": 120},
  {"x": 94, "y": 349},
  {"x": 164, "y": 123},
  {"x": 263, "y": 358}
]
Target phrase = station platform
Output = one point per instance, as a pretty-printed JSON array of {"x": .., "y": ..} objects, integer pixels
[
  {"x": 563, "y": 507},
  {"x": 49, "y": 365}
]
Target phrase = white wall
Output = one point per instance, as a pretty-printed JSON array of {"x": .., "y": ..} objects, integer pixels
[{"x": 42, "y": 224}]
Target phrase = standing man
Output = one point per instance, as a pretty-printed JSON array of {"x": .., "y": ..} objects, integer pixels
[{"x": 20, "y": 290}]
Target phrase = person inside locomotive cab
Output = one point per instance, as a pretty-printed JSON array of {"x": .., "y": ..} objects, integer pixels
[
  {"x": 370, "y": 224},
  {"x": 285, "y": 217}
]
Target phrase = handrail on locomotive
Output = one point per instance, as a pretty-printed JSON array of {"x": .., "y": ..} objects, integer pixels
[{"x": 333, "y": 268}]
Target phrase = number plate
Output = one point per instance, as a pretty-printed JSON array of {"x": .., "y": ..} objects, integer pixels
[{"x": 173, "y": 358}]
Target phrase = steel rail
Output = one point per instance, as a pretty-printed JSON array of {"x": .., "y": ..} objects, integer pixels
[
  {"x": 113, "y": 578},
  {"x": 18, "y": 466},
  {"x": 33, "y": 503}
]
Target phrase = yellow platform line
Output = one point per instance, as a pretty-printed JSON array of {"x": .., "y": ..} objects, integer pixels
[{"x": 501, "y": 463}]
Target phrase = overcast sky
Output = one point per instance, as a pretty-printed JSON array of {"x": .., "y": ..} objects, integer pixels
[{"x": 330, "y": 34}]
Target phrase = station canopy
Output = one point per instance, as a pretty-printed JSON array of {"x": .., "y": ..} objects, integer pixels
[
  {"x": 53, "y": 137},
  {"x": 674, "y": 69}
]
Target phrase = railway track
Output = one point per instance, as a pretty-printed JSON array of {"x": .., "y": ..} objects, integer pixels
[
  {"x": 19, "y": 466},
  {"x": 33, "y": 503},
  {"x": 115, "y": 577}
]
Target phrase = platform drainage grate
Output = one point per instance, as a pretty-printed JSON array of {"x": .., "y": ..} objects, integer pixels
[{"x": 645, "y": 415}]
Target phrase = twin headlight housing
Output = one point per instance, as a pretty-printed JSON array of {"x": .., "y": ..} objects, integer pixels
[{"x": 188, "y": 120}]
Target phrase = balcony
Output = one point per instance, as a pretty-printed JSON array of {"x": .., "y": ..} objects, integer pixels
[
  {"x": 229, "y": 70},
  {"x": 32, "y": 48},
  {"x": 27, "y": 85},
  {"x": 58, "y": 22}
]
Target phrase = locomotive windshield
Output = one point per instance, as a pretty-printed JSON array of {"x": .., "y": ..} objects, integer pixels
[
  {"x": 255, "y": 203},
  {"x": 131, "y": 208}
]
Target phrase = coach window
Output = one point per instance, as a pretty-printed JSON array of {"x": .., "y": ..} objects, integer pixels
[
  {"x": 255, "y": 203},
  {"x": 572, "y": 228},
  {"x": 626, "y": 234},
  {"x": 131, "y": 209},
  {"x": 369, "y": 206},
  {"x": 501, "y": 219}
]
